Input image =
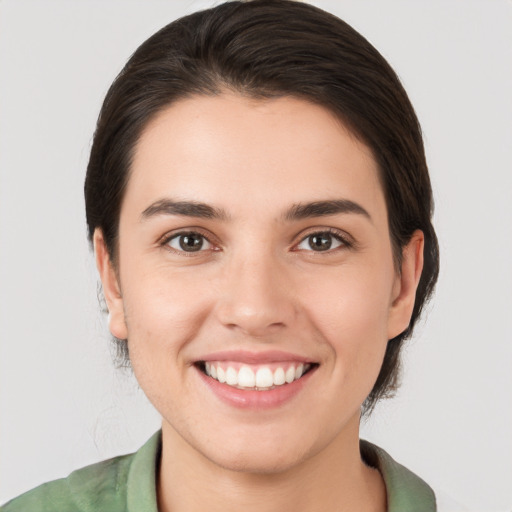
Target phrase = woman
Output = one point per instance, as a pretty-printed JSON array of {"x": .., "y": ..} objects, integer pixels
[{"x": 260, "y": 209}]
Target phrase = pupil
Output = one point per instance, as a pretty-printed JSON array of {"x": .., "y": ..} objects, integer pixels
[
  {"x": 191, "y": 242},
  {"x": 320, "y": 242}
]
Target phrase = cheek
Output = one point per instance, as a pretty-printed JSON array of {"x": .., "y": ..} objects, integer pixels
[
  {"x": 350, "y": 311},
  {"x": 163, "y": 315},
  {"x": 163, "y": 311},
  {"x": 350, "y": 299}
]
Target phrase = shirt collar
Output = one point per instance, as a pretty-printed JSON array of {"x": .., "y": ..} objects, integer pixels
[
  {"x": 142, "y": 476},
  {"x": 405, "y": 490}
]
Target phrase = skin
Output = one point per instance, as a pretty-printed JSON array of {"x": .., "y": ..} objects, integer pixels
[{"x": 258, "y": 285}]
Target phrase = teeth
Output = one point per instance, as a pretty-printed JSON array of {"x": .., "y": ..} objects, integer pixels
[
  {"x": 246, "y": 378},
  {"x": 263, "y": 378},
  {"x": 231, "y": 377},
  {"x": 279, "y": 378},
  {"x": 290, "y": 375}
]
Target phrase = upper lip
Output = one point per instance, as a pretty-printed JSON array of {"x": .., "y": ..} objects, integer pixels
[{"x": 248, "y": 357}]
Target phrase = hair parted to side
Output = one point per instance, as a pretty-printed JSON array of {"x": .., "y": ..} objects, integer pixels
[{"x": 267, "y": 49}]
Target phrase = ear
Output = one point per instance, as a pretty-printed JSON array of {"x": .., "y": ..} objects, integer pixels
[
  {"x": 111, "y": 288},
  {"x": 404, "y": 290}
]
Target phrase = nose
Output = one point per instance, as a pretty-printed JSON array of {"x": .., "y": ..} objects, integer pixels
[{"x": 256, "y": 297}]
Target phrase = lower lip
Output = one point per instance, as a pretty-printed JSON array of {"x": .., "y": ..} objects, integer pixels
[{"x": 252, "y": 399}]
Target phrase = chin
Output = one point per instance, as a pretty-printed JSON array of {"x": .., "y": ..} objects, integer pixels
[
  {"x": 264, "y": 454},
  {"x": 257, "y": 461}
]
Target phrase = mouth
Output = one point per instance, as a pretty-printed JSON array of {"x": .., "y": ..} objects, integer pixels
[{"x": 255, "y": 377}]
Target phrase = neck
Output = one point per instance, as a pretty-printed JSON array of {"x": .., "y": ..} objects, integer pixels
[{"x": 334, "y": 479}]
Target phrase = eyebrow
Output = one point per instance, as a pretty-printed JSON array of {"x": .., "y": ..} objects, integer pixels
[
  {"x": 324, "y": 208},
  {"x": 297, "y": 211},
  {"x": 184, "y": 208}
]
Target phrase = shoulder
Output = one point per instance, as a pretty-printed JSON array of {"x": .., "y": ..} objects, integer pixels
[
  {"x": 94, "y": 487},
  {"x": 107, "y": 485},
  {"x": 405, "y": 489}
]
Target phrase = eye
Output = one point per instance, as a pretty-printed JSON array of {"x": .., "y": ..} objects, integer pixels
[
  {"x": 321, "y": 241},
  {"x": 189, "y": 242}
]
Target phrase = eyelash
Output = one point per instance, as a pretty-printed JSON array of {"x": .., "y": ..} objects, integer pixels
[
  {"x": 167, "y": 239},
  {"x": 339, "y": 236}
]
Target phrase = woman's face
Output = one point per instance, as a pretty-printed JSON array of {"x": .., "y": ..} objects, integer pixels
[{"x": 254, "y": 246}]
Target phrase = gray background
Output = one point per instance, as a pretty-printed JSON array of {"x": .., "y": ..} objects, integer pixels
[{"x": 63, "y": 404}]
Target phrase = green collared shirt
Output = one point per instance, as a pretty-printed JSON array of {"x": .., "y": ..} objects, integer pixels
[{"x": 127, "y": 484}]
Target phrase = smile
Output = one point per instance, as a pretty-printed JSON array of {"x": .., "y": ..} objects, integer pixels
[{"x": 255, "y": 377}]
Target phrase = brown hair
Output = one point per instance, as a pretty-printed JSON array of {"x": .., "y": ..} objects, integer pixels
[{"x": 265, "y": 49}]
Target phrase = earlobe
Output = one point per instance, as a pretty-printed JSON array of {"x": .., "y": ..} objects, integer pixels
[
  {"x": 111, "y": 288},
  {"x": 404, "y": 293}
]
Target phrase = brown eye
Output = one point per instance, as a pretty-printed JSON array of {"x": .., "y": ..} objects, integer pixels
[
  {"x": 320, "y": 242},
  {"x": 189, "y": 242}
]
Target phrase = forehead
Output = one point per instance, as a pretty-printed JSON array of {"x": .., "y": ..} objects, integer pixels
[{"x": 240, "y": 152}]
